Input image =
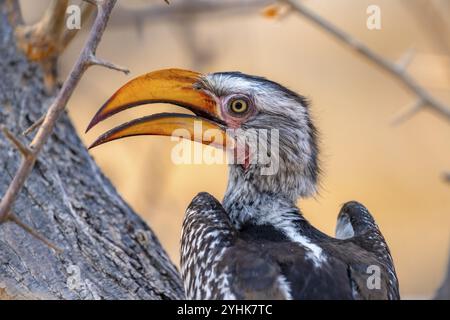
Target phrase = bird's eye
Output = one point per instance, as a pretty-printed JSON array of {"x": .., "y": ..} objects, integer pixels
[{"x": 239, "y": 106}]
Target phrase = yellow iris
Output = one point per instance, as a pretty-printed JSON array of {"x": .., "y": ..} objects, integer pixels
[{"x": 239, "y": 106}]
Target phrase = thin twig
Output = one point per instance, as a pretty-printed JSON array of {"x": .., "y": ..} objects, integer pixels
[
  {"x": 17, "y": 221},
  {"x": 406, "y": 59},
  {"x": 397, "y": 71},
  {"x": 104, "y": 10},
  {"x": 93, "y": 60},
  {"x": 23, "y": 148},
  {"x": 34, "y": 126},
  {"x": 407, "y": 113}
]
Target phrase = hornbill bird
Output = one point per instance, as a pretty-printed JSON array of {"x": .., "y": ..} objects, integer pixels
[{"x": 256, "y": 244}]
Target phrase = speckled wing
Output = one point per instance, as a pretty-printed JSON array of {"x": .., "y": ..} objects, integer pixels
[
  {"x": 358, "y": 228},
  {"x": 254, "y": 275},
  {"x": 216, "y": 264}
]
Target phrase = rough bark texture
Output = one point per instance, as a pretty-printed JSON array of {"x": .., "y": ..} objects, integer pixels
[
  {"x": 109, "y": 252},
  {"x": 443, "y": 293}
]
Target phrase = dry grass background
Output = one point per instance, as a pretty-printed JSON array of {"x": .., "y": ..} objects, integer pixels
[{"x": 394, "y": 171}]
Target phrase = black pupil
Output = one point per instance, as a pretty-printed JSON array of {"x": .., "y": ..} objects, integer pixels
[{"x": 238, "y": 105}]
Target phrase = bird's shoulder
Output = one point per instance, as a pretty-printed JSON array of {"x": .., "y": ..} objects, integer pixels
[
  {"x": 260, "y": 262},
  {"x": 265, "y": 264}
]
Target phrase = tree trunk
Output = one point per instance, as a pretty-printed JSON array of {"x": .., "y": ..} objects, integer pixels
[
  {"x": 443, "y": 293},
  {"x": 108, "y": 251}
]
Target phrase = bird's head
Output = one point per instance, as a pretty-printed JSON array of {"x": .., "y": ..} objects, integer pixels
[{"x": 266, "y": 127}]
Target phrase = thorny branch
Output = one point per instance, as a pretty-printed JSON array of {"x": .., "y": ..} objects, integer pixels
[
  {"x": 19, "y": 145},
  {"x": 30, "y": 152},
  {"x": 398, "y": 71}
]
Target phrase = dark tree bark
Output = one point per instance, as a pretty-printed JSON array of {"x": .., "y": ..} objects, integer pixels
[
  {"x": 443, "y": 293},
  {"x": 108, "y": 251}
]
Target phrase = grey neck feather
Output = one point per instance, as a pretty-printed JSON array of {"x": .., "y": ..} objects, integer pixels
[{"x": 255, "y": 200}]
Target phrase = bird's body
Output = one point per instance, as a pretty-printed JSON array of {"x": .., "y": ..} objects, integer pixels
[
  {"x": 279, "y": 257},
  {"x": 257, "y": 244}
]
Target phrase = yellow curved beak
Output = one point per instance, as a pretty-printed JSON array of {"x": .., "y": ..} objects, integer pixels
[{"x": 174, "y": 86}]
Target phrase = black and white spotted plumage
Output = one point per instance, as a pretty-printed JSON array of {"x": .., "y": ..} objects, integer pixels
[
  {"x": 365, "y": 233},
  {"x": 256, "y": 244},
  {"x": 259, "y": 261}
]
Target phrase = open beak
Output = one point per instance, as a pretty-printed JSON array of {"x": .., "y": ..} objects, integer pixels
[{"x": 174, "y": 86}]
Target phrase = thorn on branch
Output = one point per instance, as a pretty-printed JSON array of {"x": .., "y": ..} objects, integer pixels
[
  {"x": 406, "y": 60},
  {"x": 34, "y": 126},
  {"x": 93, "y": 60},
  {"x": 407, "y": 113},
  {"x": 13, "y": 218},
  {"x": 23, "y": 148}
]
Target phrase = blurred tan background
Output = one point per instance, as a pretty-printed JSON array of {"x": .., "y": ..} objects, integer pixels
[{"x": 395, "y": 171}]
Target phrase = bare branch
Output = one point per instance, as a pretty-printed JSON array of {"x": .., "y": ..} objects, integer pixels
[
  {"x": 357, "y": 46},
  {"x": 13, "y": 218},
  {"x": 407, "y": 113},
  {"x": 93, "y": 60},
  {"x": 406, "y": 59},
  {"x": 23, "y": 148},
  {"x": 56, "y": 109},
  {"x": 34, "y": 126}
]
